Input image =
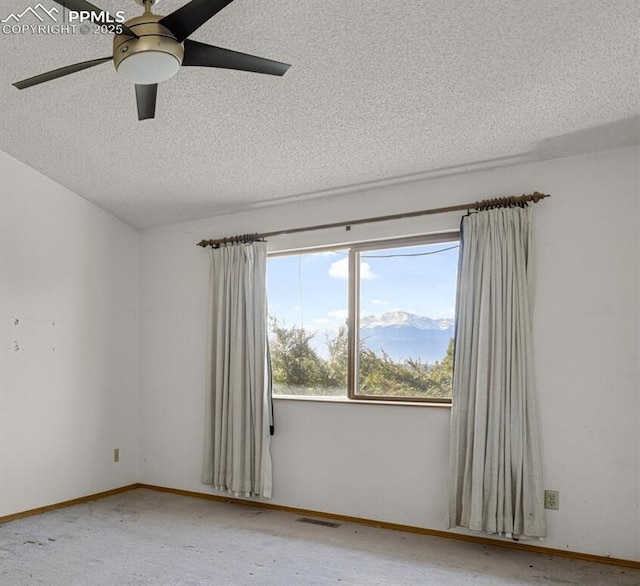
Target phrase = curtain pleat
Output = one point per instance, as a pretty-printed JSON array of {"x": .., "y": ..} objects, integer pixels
[
  {"x": 237, "y": 440},
  {"x": 495, "y": 472}
]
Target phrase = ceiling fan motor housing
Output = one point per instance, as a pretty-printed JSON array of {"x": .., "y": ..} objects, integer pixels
[{"x": 155, "y": 56}]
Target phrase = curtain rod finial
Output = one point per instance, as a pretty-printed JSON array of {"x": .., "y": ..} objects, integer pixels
[{"x": 536, "y": 196}]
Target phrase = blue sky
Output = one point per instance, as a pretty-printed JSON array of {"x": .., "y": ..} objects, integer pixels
[{"x": 310, "y": 290}]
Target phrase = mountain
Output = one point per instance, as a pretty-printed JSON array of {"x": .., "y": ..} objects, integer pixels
[
  {"x": 405, "y": 335},
  {"x": 402, "y": 319}
]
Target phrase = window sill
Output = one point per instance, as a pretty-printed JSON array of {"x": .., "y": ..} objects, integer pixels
[{"x": 347, "y": 401}]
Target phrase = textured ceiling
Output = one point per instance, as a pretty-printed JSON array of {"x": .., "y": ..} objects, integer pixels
[{"x": 377, "y": 92}]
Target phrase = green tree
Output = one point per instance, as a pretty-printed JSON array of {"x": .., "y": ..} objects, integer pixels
[
  {"x": 408, "y": 378},
  {"x": 295, "y": 365},
  {"x": 441, "y": 375},
  {"x": 297, "y": 368},
  {"x": 384, "y": 376},
  {"x": 338, "y": 359}
]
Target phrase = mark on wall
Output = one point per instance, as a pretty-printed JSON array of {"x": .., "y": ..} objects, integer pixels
[{"x": 36, "y": 335}]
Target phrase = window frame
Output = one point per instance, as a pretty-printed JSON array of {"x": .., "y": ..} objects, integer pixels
[{"x": 354, "y": 251}]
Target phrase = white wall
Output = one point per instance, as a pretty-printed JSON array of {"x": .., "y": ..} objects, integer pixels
[
  {"x": 69, "y": 366},
  {"x": 390, "y": 462},
  {"x": 71, "y": 391}
]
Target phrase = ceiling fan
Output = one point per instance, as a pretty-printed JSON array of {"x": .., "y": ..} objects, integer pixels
[{"x": 151, "y": 48}]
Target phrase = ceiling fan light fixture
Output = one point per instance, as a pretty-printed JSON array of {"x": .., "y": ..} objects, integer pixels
[
  {"x": 154, "y": 56},
  {"x": 148, "y": 67}
]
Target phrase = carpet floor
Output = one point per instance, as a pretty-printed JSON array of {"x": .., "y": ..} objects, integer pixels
[{"x": 143, "y": 537}]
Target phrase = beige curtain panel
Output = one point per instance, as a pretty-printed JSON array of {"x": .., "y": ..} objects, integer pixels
[
  {"x": 237, "y": 442},
  {"x": 495, "y": 476}
]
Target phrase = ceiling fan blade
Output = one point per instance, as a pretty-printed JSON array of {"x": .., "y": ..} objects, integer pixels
[
  {"x": 201, "y": 55},
  {"x": 184, "y": 21},
  {"x": 56, "y": 73},
  {"x": 84, "y": 6},
  {"x": 146, "y": 98}
]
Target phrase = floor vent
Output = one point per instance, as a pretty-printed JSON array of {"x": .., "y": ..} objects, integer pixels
[{"x": 317, "y": 522}]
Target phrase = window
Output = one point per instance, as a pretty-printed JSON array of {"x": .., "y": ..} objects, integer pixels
[
  {"x": 308, "y": 305},
  {"x": 369, "y": 321}
]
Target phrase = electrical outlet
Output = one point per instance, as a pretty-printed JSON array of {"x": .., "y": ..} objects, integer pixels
[
  {"x": 552, "y": 499},
  {"x": 116, "y": 454}
]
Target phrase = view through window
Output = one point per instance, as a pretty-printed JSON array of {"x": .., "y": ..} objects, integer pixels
[{"x": 398, "y": 298}]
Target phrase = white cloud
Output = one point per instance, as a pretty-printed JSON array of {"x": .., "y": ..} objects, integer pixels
[
  {"x": 321, "y": 320},
  {"x": 379, "y": 302},
  {"x": 365, "y": 271},
  {"x": 340, "y": 270}
]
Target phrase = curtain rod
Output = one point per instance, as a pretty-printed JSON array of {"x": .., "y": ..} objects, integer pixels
[{"x": 499, "y": 202}]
